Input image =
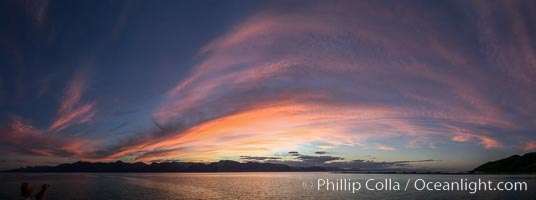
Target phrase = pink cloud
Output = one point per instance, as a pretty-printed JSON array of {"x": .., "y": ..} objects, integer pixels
[
  {"x": 22, "y": 138},
  {"x": 71, "y": 110},
  {"x": 79, "y": 115},
  {"x": 332, "y": 75},
  {"x": 484, "y": 140},
  {"x": 336, "y": 74},
  {"x": 530, "y": 146}
]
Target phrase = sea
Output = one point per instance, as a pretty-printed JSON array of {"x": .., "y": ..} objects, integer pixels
[{"x": 270, "y": 185}]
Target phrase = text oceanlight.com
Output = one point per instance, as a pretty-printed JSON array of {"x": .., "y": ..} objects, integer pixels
[{"x": 471, "y": 186}]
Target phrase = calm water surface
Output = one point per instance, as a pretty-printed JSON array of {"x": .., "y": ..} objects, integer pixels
[{"x": 279, "y": 185}]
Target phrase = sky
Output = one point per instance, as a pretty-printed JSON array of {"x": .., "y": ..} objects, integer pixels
[{"x": 420, "y": 85}]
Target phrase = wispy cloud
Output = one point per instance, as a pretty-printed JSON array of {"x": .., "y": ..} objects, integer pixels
[
  {"x": 530, "y": 146},
  {"x": 258, "y": 158},
  {"x": 301, "y": 160},
  {"x": 21, "y": 137},
  {"x": 384, "y": 148},
  {"x": 318, "y": 159},
  {"x": 325, "y": 75},
  {"x": 345, "y": 74},
  {"x": 38, "y": 11},
  {"x": 71, "y": 110},
  {"x": 375, "y": 165}
]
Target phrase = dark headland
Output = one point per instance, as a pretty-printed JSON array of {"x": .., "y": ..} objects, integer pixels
[{"x": 515, "y": 164}]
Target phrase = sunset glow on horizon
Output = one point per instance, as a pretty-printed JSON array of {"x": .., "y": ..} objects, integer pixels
[{"x": 421, "y": 85}]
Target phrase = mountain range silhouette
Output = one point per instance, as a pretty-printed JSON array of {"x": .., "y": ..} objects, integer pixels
[{"x": 119, "y": 166}]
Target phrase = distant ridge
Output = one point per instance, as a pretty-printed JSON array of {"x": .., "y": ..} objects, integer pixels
[
  {"x": 119, "y": 166},
  {"x": 512, "y": 165}
]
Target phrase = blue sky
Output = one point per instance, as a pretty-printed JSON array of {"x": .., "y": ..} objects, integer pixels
[{"x": 417, "y": 84}]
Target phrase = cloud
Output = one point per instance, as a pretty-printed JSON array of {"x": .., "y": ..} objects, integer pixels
[
  {"x": 305, "y": 160},
  {"x": 337, "y": 162},
  {"x": 164, "y": 160},
  {"x": 464, "y": 135},
  {"x": 120, "y": 126},
  {"x": 38, "y": 11},
  {"x": 377, "y": 166},
  {"x": 385, "y": 148},
  {"x": 293, "y": 153},
  {"x": 258, "y": 158},
  {"x": 326, "y": 147},
  {"x": 127, "y": 9},
  {"x": 157, "y": 154},
  {"x": 21, "y": 137},
  {"x": 346, "y": 74},
  {"x": 318, "y": 159},
  {"x": 71, "y": 110},
  {"x": 530, "y": 146},
  {"x": 340, "y": 74}
]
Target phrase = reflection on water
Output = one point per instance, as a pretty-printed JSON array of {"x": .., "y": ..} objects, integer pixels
[{"x": 280, "y": 185}]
